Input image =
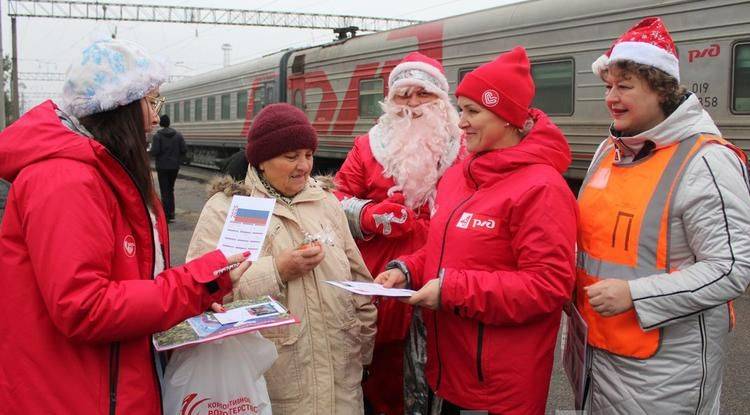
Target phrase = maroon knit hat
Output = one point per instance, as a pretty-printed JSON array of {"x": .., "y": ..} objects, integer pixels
[
  {"x": 277, "y": 129},
  {"x": 503, "y": 86}
]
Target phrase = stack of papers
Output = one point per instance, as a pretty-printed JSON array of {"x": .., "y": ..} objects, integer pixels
[{"x": 243, "y": 316}]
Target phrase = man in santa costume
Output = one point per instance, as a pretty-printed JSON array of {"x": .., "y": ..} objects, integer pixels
[{"x": 387, "y": 186}]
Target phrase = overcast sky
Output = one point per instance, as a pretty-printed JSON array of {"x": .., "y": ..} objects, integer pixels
[{"x": 47, "y": 45}]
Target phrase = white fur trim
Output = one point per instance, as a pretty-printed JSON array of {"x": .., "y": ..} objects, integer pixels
[
  {"x": 647, "y": 54},
  {"x": 377, "y": 144},
  {"x": 405, "y": 83},
  {"x": 600, "y": 64},
  {"x": 442, "y": 82}
]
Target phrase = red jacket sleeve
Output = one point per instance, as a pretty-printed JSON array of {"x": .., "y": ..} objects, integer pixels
[
  {"x": 350, "y": 179},
  {"x": 71, "y": 245},
  {"x": 415, "y": 264},
  {"x": 543, "y": 232}
]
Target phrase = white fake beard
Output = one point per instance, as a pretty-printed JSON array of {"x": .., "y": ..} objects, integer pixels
[{"x": 418, "y": 148}]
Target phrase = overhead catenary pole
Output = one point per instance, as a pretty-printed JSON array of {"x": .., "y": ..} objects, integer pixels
[
  {"x": 2, "y": 72},
  {"x": 14, "y": 71}
]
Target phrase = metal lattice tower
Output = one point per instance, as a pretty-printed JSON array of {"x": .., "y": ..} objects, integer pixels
[
  {"x": 88, "y": 10},
  {"x": 196, "y": 15}
]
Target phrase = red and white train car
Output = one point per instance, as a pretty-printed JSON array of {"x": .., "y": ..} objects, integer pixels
[{"x": 339, "y": 84}]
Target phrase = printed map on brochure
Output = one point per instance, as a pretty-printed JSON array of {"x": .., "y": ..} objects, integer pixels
[
  {"x": 371, "y": 289},
  {"x": 241, "y": 317},
  {"x": 246, "y": 225}
]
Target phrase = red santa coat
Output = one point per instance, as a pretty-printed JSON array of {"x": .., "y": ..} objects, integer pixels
[
  {"x": 361, "y": 176},
  {"x": 77, "y": 256},
  {"x": 503, "y": 238}
]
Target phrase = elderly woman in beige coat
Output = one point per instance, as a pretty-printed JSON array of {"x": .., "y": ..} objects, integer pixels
[{"x": 320, "y": 363}]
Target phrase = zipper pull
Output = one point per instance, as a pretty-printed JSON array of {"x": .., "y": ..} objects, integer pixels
[{"x": 618, "y": 152}]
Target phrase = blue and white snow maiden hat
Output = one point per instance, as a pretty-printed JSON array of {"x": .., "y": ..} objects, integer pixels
[{"x": 110, "y": 73}]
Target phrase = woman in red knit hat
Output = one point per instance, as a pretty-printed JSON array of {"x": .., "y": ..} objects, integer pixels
[
  {"x": 319, "y": 368},
  {"x": 499, "y": 260}
]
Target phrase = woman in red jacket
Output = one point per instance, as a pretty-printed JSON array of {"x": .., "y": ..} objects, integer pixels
[
  {"x": 84, "y": 261},
  {"x": 499, "y": 260}
]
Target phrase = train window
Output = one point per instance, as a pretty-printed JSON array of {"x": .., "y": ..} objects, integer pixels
[
  {"x": 462, "y": 72},
  {"x": 298, "y": 99},
  {"x": 263, "y": 95},
  {"x": 186, "y": 111},
  {"x": 554, "y": 87},
  {"x": 259, "y": 100},
  {"x": 241, "y": 104},
  {"x": 741, "y": 79},
  {"x": 198, "y": 110},
  {"x": 298, "y": 65},
  {"x": 176, "y": 116},
  {"x": 225, "y": 115},
  {"x": 370, "y": 94},
  {"x": 168, "y": 110},
  {"x": 211, "y": 109},
  {"x": 269, "y": 93}
]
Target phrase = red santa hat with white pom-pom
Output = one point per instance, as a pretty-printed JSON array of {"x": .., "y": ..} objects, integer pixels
[
  {"x": 420, "y": 70},
  {"x": 648, "y": 43}
]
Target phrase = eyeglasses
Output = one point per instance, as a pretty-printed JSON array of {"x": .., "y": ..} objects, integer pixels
[{"x": 156, "y": 103}]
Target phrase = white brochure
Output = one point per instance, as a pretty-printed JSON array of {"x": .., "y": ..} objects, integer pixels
[
  {"x": 371, "y": 289},
  {"x": 260, "y": 311},
  {"x": 246, "y": 225}
]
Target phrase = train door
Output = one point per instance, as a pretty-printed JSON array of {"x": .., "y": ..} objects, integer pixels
[{"x": 297, "y": 82}]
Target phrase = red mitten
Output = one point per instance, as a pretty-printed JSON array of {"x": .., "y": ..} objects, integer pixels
[{"x": 387, "y": 218}]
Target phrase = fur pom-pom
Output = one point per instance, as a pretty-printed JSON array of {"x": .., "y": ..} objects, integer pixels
[{"x": 600, "y": 64}]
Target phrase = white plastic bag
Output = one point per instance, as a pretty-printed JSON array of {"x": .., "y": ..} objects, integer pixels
[{"x": 223, "y": 377}]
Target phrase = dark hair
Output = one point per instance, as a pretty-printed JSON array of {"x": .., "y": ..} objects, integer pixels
[
  {"x": 235, "y": 165},
  {"x": 122, "y": 132},
  {"x": 666, "y": 86},
  {"x": 164, "y": 121}
]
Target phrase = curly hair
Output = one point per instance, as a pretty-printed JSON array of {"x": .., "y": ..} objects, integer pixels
[{"x": 666, "y": 86}]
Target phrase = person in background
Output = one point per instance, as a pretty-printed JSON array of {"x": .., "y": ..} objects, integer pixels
[
  {"x": 234, "y": 166},
  {"x": 387, "y": 185},
  {"x": 4, "y": 188},
  {"x": 84, "y": 246},
  {"x": 499, "y": 262},
  {"x": 320, "y": 363},
  {"x": 167, "y": 148},
  {"x": 663, "y": 242}
]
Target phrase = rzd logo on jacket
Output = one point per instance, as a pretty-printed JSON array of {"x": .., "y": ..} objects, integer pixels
[
  {"x": 476, "y": 221},
  {"x": 129, "y": 245}
]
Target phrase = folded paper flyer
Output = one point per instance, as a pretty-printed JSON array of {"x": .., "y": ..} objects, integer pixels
[{"x": 371, "y": 289}]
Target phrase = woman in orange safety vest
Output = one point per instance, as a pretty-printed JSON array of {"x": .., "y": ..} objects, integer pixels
[{"x": 663, "y": 242}]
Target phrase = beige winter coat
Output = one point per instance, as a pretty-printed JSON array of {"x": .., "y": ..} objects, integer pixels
[{"x": 319, "y": 368}]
